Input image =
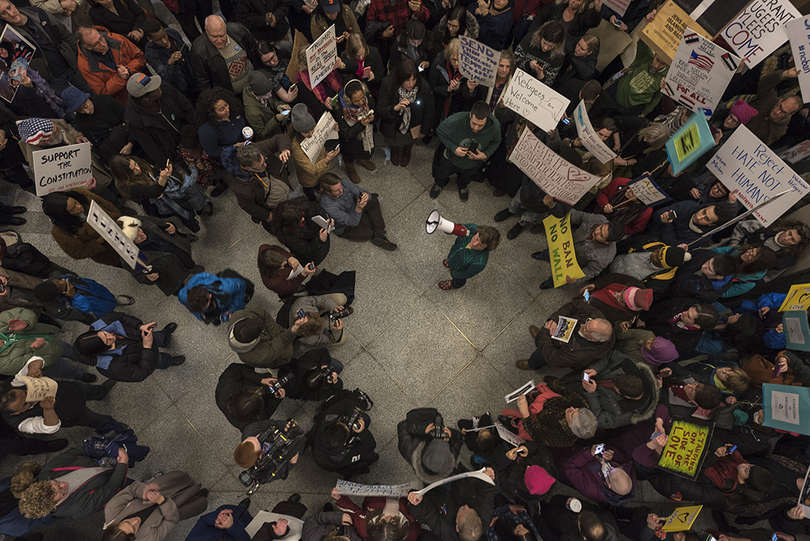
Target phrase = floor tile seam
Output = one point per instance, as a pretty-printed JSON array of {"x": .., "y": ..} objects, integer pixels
[
  {"x": 184, "y": 393},
  {"x": 459, "y": 330},
  {"x": 457, "y": 374},
  {"x": 210, "y": 447},
  {"x": 393, "y": 321}
]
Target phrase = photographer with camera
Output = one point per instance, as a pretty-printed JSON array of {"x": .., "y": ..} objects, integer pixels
[
  {"x": 313, "y": 376},
  {"x": 246, "y": 397},
  {"x": 261, "y": 342},
  {"x": 268, "y": 451},
  {"x": 213, "y": 299},
  {"x": 340, "y": 439},
  {"x": 429, "y": 447},
  {"x": 324, "y": 319}
]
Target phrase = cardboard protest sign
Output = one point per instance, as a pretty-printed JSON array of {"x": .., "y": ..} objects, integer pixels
[
  {"x": 62, "y": 168},
  {"x": 664, "y": 34},
  {"x": 547, "y": 169},
  {"x": 562, "y": 258},
  {"x": 647, "y": 191},
  {"x": 798, "y": 298},
  {"x": 682, "y": 519},
  {"x": 508, "y": 436},
  {"x": 699, "y": 73},
  {"x": 321, "y": 56},
  {"x": 530, "y": 98},
  {"x": 477, "y": 62},
  {"x": 295, "y": 524},
  {"x": 797, "y": 332},
  {"x": 798, "y": 31},
  {"x": 324, "y": 130},
  {"x": 786, "y": 407},
  {"x": 797, "y": 152},
  {"x": 38, "y": 388},
  {"x": 760, "y": 29},
  {"x": 746, "y": 165},
  {"x": 16, "y": 53},
  {"x": 590, "y": 139},
  {"x": 390, "y": 491},
  {"x": 565, "y": 329},
  {"x": 690, "y": 142},
  {"x": 111, "y": 232},
  {"x": 687, "y": 445},
  {"x": 517, "y": 393},
  {"x": 478, "y": 474}
]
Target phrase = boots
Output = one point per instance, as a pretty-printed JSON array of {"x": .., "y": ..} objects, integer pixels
[
  {"x": 406, "y": 155},
  {"x": 352, "y": 172},
  {"x": 367, "y": 164},
  {"x": 396, "y": 152}
]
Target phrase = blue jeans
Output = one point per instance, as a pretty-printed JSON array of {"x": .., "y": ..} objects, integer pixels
[{"x": 64, "y": 369}]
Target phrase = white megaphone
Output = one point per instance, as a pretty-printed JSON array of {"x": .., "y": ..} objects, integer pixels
[{"x": 436, "y": 222}]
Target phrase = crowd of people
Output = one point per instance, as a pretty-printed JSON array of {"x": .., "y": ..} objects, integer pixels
[{"x": 672, "y": 320}]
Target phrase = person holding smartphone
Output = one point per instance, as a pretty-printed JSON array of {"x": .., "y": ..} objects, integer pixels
[{"x": 167, "y": 54}]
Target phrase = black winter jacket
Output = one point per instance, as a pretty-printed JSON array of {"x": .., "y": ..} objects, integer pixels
[
  {"x": 209, "y": 66},
  {"x": 134, "y": 362}
]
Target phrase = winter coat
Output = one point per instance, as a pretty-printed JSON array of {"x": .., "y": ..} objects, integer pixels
[
  {"x": 351, "y": 146},
  {"x": 261, "y": 117},
  {"x": 421, "y": 112},
  {"x": 131, "y": 362},
  {"x": 103, "y": 79},
  {"x": 205, "y": 530},
  {"x": 584, "y": 473},
  {"x": 549, "y": 427},
  {"x": 455, "y": 130},
  {"x": 657, "y": 320},
  {"x": 510, "y": 474},
  {"x": 360, "y": 447},
  {"x": 307, "y": 173},
  {"x": 306, "y": 245},
  {"x": 439, "y": 507},
  {"x": 92, "y": 300},
  {"x": 316, "y": 527},
  {"x": 320, "y": 24},
  {"x": 611, "y": 313},
  {"x": 319, "y": 304},
  {"x": 372, "y": 503},
  {"x": 412, "y": 441},
  {"x": 296, "y": 370},
  {"x": 172, "y": 273},
  {"x": 21, "y": 287},
  {"x": 690, "y": 282},
  {"x": 14, "y": 354},
  {"x": 271, "y": 349},
  {"x": 208, "y": 65},
  {"x": 130, "y": 16},
  {"x": 462, "y": 99},
  {"x": 60, "y": 37},
  {"x": 578, "y": 353},
  {"x": 178, "y": 74},
  {"x": 465, "y": 262},
  {"x": 440, "y": 36},
  {"x": 278, "y": 282},
  {"x": 494, "y": 29},
  {"x": 251, "y": 13},
  {"x": 240, "y": 377},
  {"x": 231, "y": 293},
  {"x": 247, "y": 187},
  {"x": 85, "y": 242}
]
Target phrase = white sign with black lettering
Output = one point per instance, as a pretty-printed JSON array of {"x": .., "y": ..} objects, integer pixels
[
  {"x": 477, "y": 62},
  {"x": 798, "y": 31},
  {"x": 590, "y": 139},
  {"x": 324, "y": 130},
  {"x": 109, "y": 231},
  {"x": 530, "y": 98},
  {"x": 62, "y": 168},
  {"x": 321, "y": 56},
  {"x": 760, "y": 29}
]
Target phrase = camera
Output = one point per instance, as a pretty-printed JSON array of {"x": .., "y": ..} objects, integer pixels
[
  {"x": 338, "y": 313},
  {"x": 353, "y": 421},
  {"x": 277, "y": 448},
  {"x": 2, "y": 288},
  {"x": 280, "y": 383},
  {"x": 438, "y": 428}
]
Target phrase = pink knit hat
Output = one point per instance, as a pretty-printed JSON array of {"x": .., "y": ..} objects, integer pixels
[
  {"x": 638, "y": 299},
  {"x": 537, "y": 480},
  {"x": 743, "y": 111}
]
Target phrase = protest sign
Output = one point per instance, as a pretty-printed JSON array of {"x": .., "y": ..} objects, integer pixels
[
  {"x": 477, "y": 62},
  {"x": 478, "y": 474},
  {"x": 699, "y": 73},
  {"x": 295, "y": 524},
  {"x": 565, "y": 329},
  {"x": 796, "y": 153},
  {"x": 798, "y": 31},
  {"x": 62, "y": 168},
  {"x": 647, "y": 191},
  {"x": 517, "y": 393},
  {"x": 389, "y": 491},
  {"x": 16, "y": 53},
  {"x": 530, "y": 98},
  {"x": 109, "y": 231},
  {"x": 590, "y": 139},
  {"x": 38, "y": 388},
  {"x": 562, "y": 258},
  {"x": 760, "y": 29},
  {"x": 786, "y": 407},
  {"x": 324, "y": 130},
  {"x": 321, "y": 56},
  {"x": 690, "y": 142},
  {"x": 756, "y": 174},
  {"x": 686, "y": 447},
  {"x": 619, "y": 6},
  {"x": 508, "y": 436},
  {"x": 798, "y": 298},
  {"x": 681, "y": 519},
  {"x": 663, "y": 35},
  {"x": 797, "y": 332},
  {"x": 713, "y": 15},
  {"x": 547, "y": 169}
]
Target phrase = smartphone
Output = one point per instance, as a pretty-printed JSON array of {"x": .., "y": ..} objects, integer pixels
[
  {"x": 733, "y": 448},
  {"x": 310, "y": 267},
  {"x": 776, "y": 371},
  {"x": 420, "y": 68},
  {"x": 566, "y": 121},
  {"x": 656, "y": 435},
  {"x": 366, "y": 71},
  {"x": 674, "y": 214},
  {"x": 600, "y": 449},
  {"x": 586, "y": 377},
  {"x": 586, "y": 295},
  {"x": 618, "y": 23},
  {"x": 292, "y": 88},
  {"x": 473, "y": 147},
  {"x": 286, "y": 112},
  {"x": 300, "y": 314},
  {"x": 2, "y": 288},
  {"x": 184, "y": 50}
]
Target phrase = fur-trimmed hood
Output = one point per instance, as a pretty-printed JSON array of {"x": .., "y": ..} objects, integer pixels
[
  {"x": 650, "y": 379},
  {"x": 421, "y": 473}
]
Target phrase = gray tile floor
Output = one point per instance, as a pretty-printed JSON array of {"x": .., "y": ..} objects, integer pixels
[{"x": 410, "y": 344}]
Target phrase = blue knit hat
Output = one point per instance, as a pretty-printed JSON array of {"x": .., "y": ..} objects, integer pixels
[{"x": 73, "y": 98}]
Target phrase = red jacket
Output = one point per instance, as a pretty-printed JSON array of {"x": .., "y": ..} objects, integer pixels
[
  {"x": 376, "y": 502},
  {"x": 636, "y": 225},
  {"x": 723, "y": 473},
  {"x": 101, "y": 78}
]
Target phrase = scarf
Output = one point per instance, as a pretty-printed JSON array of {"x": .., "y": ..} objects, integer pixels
[
  {"x": 676, "y": 320},
  {"x": 361, "y": 65},
  {"x": 457, "y": 75},
  {"x": 406, "y": 113},
  {"x": 608, "y": 296},
  {"x": 352, "y": 113},
  {"x": 333, "y": 80}
]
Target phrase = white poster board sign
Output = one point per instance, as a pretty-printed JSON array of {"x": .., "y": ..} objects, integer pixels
[
  {"x": 508, "y": 436},
  {"x": 295, "y": 524},
  {"x": 619, "y": 6},
  {"x": 798, "y": 31},
  {"x": 646, "y": 191},
  {"x": 321, "y": 56},
  {"x": 547, "y": 169},
  {"x": 590, "y": 139},
  {"x": 530, "y": 98},
  {"x": 760, "y": 29},
  {"x": 520, "y": 391},
  {"x": 62, "y": 168},
  {"x": 109, "y": 231},
  {"x": 797, "y": 152},
  {"x": 324, "y": 130},
  {"x": 478, "y": 62},
  {"x": 700, "y": 72},
  {"x": 745, "y": 165},
  {"x": 389, "y": 491},
  {"x": 478, "y": 474}
]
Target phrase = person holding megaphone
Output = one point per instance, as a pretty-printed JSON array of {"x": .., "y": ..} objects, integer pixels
[{"x": 469, "y": 254}]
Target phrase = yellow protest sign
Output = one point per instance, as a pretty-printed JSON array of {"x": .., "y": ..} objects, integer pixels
[
  {"x": 686, "y": 447},
  {"x": 682, "y": 518},
  {"x": 798, "y": 298},
  {"x": 687, "y": 142},
  {"x": 664, "y": 34},
  {"x": 561, "y": 254}
]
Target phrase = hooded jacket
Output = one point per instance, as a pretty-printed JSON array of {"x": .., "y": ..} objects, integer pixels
[
  {"x": 412, "y": 441},
  {"x": 103, "y": 79},
  {"x": 234, "y": 378},
  {"x": 150, "y": 131},
  {"x": 15, "y": 354},
  {"x": 230, "y": 292},
  {"x": 271, "y": 349},
  {"x": 205, "y": 530}
]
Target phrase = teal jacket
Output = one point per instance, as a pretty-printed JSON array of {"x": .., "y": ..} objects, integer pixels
[
  {"x": 465, "y": 262},
  {"x": 456, "y": 128}
]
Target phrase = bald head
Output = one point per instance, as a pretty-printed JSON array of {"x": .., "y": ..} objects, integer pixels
[
  {"x": 597, "y": 330},
  {"x": 216, "y": 31},
  {"x": 620, "y": 482}
]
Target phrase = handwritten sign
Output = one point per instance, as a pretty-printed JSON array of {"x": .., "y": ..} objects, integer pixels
[
  {"x": 517, "y": 393},
  {"x": 760, "y": 29},
  {"x": 321, "y": 56},
  {"x": 477, "y": 62},
  {"x": 798, "y": 31},
  {"x": 38, "y": 388},
  {"x": 797, "y": 332},
  {"x": 647, "y": 191},
  {"x": 562, "y": 258},
  {"x": 690, "y": 142},
  {"x": 62, "y": 168},
  {"x": 590, "y": 139},
  {"x": 508, "y": 436},
  {"x": 390, "y": 491},
  {"x": 530, "y": 98},
  {"x": 681, "y": 519},
  {"x": 552, "y": 173},
  {"x": 111, "y": 232},
  {"x": 686, "y": 447},
  {"x": 798, "y": 298},
  {"x": 745, "y": 165},
  {"x": 786, "y": 407},
  {"x": 478, "y": 474},
  {"x": 699, "y": 73},
  {"x": 664, "y": 34},
  {"x": 324, "y": 130},
  {"x": 797, "y": 152}
]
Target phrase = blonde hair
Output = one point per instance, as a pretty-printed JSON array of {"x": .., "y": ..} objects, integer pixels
[
  {"x": 737, "y": 381},
  {"x": 452, "y": 48},
  {"x": 657, "y": 134},
  {"x": 355, "y": 44},
  {"x": 38, "y": 500},
  {"x": 24, "y": 477}
]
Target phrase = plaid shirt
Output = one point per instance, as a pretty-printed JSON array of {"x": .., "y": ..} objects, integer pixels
[{"x": 397, "y": 14}]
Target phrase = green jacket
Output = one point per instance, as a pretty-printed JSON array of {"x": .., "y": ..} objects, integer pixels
[
  {"x": 639, "y": 86},
  {"x": 465, "y": 262},
  {"x": 260, "y": 117},
  {"x": 456, "y": 129},
  {"x": 17, "y": 349},
  {"x": 271, "y": 349}
]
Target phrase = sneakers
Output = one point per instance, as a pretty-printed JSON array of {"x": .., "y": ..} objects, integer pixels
[
  {"x": 384, "y": 243},
  {"x": 178, "y": 360},
  {"x": 515, "y": 231},
  {"x": 502, "y": 215},
  {"x": 169, "y": 328},
  {"x": 366, "y": 164},
  {"x": 435, "y": 191},
  {"x": 463, "y": 194},
  {"x": 124, "y": 300},
  {"x": 446, "y": 285}
]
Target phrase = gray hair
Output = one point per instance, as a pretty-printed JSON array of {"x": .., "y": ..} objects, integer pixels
[
  {"x": 602, "y": 336},
  {"x": 247, "y": 155},
  {"x": 584, "y": 424}
]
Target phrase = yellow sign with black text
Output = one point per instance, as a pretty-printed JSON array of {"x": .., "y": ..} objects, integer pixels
[{"x": 562, "y": 258}]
